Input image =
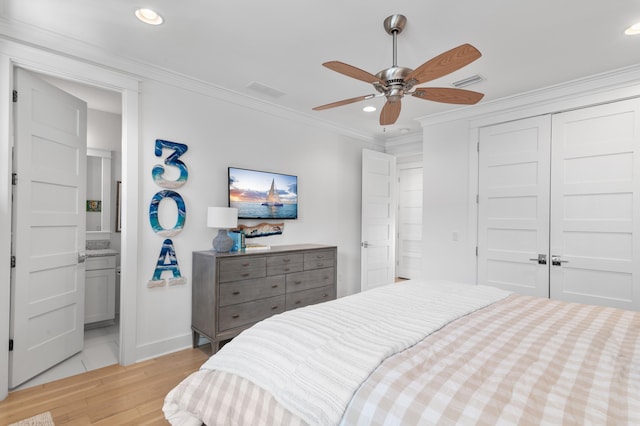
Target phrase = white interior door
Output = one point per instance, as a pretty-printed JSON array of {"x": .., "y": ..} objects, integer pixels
[
  {"x": 409, "y": 222},
  {"x": 513, "y": 206},
  {"x": 47, "y": 283},
  {"x": 378, "y": 219},
  {"x": 595, "y": 205}
]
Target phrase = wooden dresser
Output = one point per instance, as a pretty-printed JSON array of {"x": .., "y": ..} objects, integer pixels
[{"x": 233, "y": 291}]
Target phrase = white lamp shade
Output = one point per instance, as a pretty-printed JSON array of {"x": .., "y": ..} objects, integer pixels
[{"x": 222, "y": 217}]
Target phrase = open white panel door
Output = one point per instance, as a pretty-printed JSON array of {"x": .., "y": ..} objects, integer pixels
[
  {"x": 47, "y": 283},
  {"x": 378, "y": 219},
  {"x": 513, "y": 206},
  {"x": 595, "y": 205}
]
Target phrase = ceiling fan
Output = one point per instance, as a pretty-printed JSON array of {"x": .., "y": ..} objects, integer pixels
[{"x": 395, "y": 82}]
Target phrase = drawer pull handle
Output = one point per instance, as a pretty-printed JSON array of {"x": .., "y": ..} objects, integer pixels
[
  {"x": 274, "y": 286},
  {"x": 298, "y": 302},
  {"x": 287, "y": 260},
  {"x": 297, "y": 282},
  {"x": 235, "y": 293},
  {"x": 320, "y": 264},
  {"x": 273, "y": 308},
  {"x": 246, "y": 274},
  {"x": 319, "y": 256},
  {"x": 287, "y": 269},
  {"x": 246, "y": 264},
  {"x": 325, "y": 295},
  {"x": 234, "y": 316}
]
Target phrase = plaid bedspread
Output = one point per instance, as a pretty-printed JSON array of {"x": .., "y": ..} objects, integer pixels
[{"x": 522, "y": 360}]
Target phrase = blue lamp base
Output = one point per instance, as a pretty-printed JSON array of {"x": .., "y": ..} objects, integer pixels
[{"x": 222, "y": 243}]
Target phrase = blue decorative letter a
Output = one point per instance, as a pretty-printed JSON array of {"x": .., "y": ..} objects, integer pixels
[{"x": 167, "y": 262}]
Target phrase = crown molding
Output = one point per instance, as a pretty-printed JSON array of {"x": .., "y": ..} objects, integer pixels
[
  {"x": 611, "y": 85},
  {"x": 20, "y": 34}
]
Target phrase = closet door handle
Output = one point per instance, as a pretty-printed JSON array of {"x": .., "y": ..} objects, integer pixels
[
  {"x": 541, "y": 259},
  {"x": 557, "y": 261}
]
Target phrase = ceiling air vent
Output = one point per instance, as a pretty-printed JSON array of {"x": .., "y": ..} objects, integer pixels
[
  {"x": 265, "y": 90},
  {"x": 468, "y": 81}
]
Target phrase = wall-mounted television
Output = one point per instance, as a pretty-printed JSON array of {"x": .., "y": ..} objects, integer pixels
[{"x": 263, "y": 195}]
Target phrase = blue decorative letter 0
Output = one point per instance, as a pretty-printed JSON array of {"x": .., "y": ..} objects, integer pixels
[{"x": 153, "y": 213}]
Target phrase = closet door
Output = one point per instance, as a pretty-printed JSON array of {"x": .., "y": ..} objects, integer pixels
[
  {"x": 513, "y": 206},
  {"x": 595, "y": 197}
]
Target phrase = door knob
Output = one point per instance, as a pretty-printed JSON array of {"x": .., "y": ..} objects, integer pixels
[
  {"x": 82, "y": 256},
  {"x": 541, "y": 259},
  {"x": 364, "y": 244}
]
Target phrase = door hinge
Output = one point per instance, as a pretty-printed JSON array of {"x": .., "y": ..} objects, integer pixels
[
  {"x": 477, "y": 198},
  {"x": 13, "y": 261},
  {"x": 10, "y": 345},
  {"x": 478, "y": 146},
  {"x": 14, "y": 178},
  {"x": 15, "y": 96},
  {"x": 476, "y": 251}
]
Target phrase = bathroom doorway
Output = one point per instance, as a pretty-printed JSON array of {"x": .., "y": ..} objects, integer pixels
[{"x": 104, "y": 169}]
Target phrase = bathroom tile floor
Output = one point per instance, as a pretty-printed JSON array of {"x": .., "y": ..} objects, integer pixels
[{"x": 100, "y": 350}]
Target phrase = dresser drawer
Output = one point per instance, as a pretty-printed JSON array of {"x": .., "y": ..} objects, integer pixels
[
  {"x": 277, "y": 265},
  {"x": 310, "y": 297},
  {"x": 247, "y": 313},
  {"x": 319, "y": 259},
  {"x": 242, "y": 269},
  {"x": 234, "y": 292},
  {"x": 305, "y": 280}
]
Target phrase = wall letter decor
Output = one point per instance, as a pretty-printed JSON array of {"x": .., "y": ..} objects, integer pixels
[
  {"x": 167, "y": 260},
  {"x": 172, "y": 160},
  {"x": 153, "y": 213}
]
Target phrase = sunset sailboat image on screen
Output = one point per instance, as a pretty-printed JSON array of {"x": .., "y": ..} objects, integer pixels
[
  {"x": 263, "y": 195},
  {"x": 273, "y": 199}
]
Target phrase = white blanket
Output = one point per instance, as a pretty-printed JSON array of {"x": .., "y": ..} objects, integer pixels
[{"x": 312, "y": 360}]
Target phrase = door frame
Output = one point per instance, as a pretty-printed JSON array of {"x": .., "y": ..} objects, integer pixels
[
  {"x": 399, "y": 168},
  {"x": 44, "y": 62}
]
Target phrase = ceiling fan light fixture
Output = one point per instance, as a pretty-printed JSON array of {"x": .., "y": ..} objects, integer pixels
[
  {"x": 395, "y": 82},
  {"x": 369, "y": 108},
  {"x": 149, "y": 16},
  {"x": 633, "y": 29}
]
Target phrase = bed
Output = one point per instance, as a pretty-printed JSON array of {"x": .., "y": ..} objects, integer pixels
[{"x": 431, "y": 352}]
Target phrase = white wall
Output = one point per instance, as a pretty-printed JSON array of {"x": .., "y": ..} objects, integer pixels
[
  {"x": 446, "y": 202},
  {"x": 221, "y": 134},
  {"x": 104, "y": 130}
]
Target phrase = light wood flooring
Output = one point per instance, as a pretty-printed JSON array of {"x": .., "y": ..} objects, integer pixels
[{"x": 114, "y": 395}]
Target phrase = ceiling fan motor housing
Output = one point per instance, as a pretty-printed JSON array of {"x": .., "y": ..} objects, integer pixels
[{"x": 396, "y": 85}]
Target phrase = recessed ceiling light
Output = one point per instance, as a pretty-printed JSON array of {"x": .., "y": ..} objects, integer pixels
[
  {"x": 404, "y": 130},
  {"x": 633, "y": 30},
  {"x": 369, "y": 108},
  {"x": 149, "y": 16}
]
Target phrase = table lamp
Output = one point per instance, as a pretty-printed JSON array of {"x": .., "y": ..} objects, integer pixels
[{"x": 222, "y": 218}]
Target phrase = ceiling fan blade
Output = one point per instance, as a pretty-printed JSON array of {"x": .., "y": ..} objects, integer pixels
[
  {"x": 444, "y": 63},
  {"x": 351, "y": 71},
  {"x": 390, "y": 112},
  {"x": 448, "y": 95},
  {"x": 343, "y": 102}
]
